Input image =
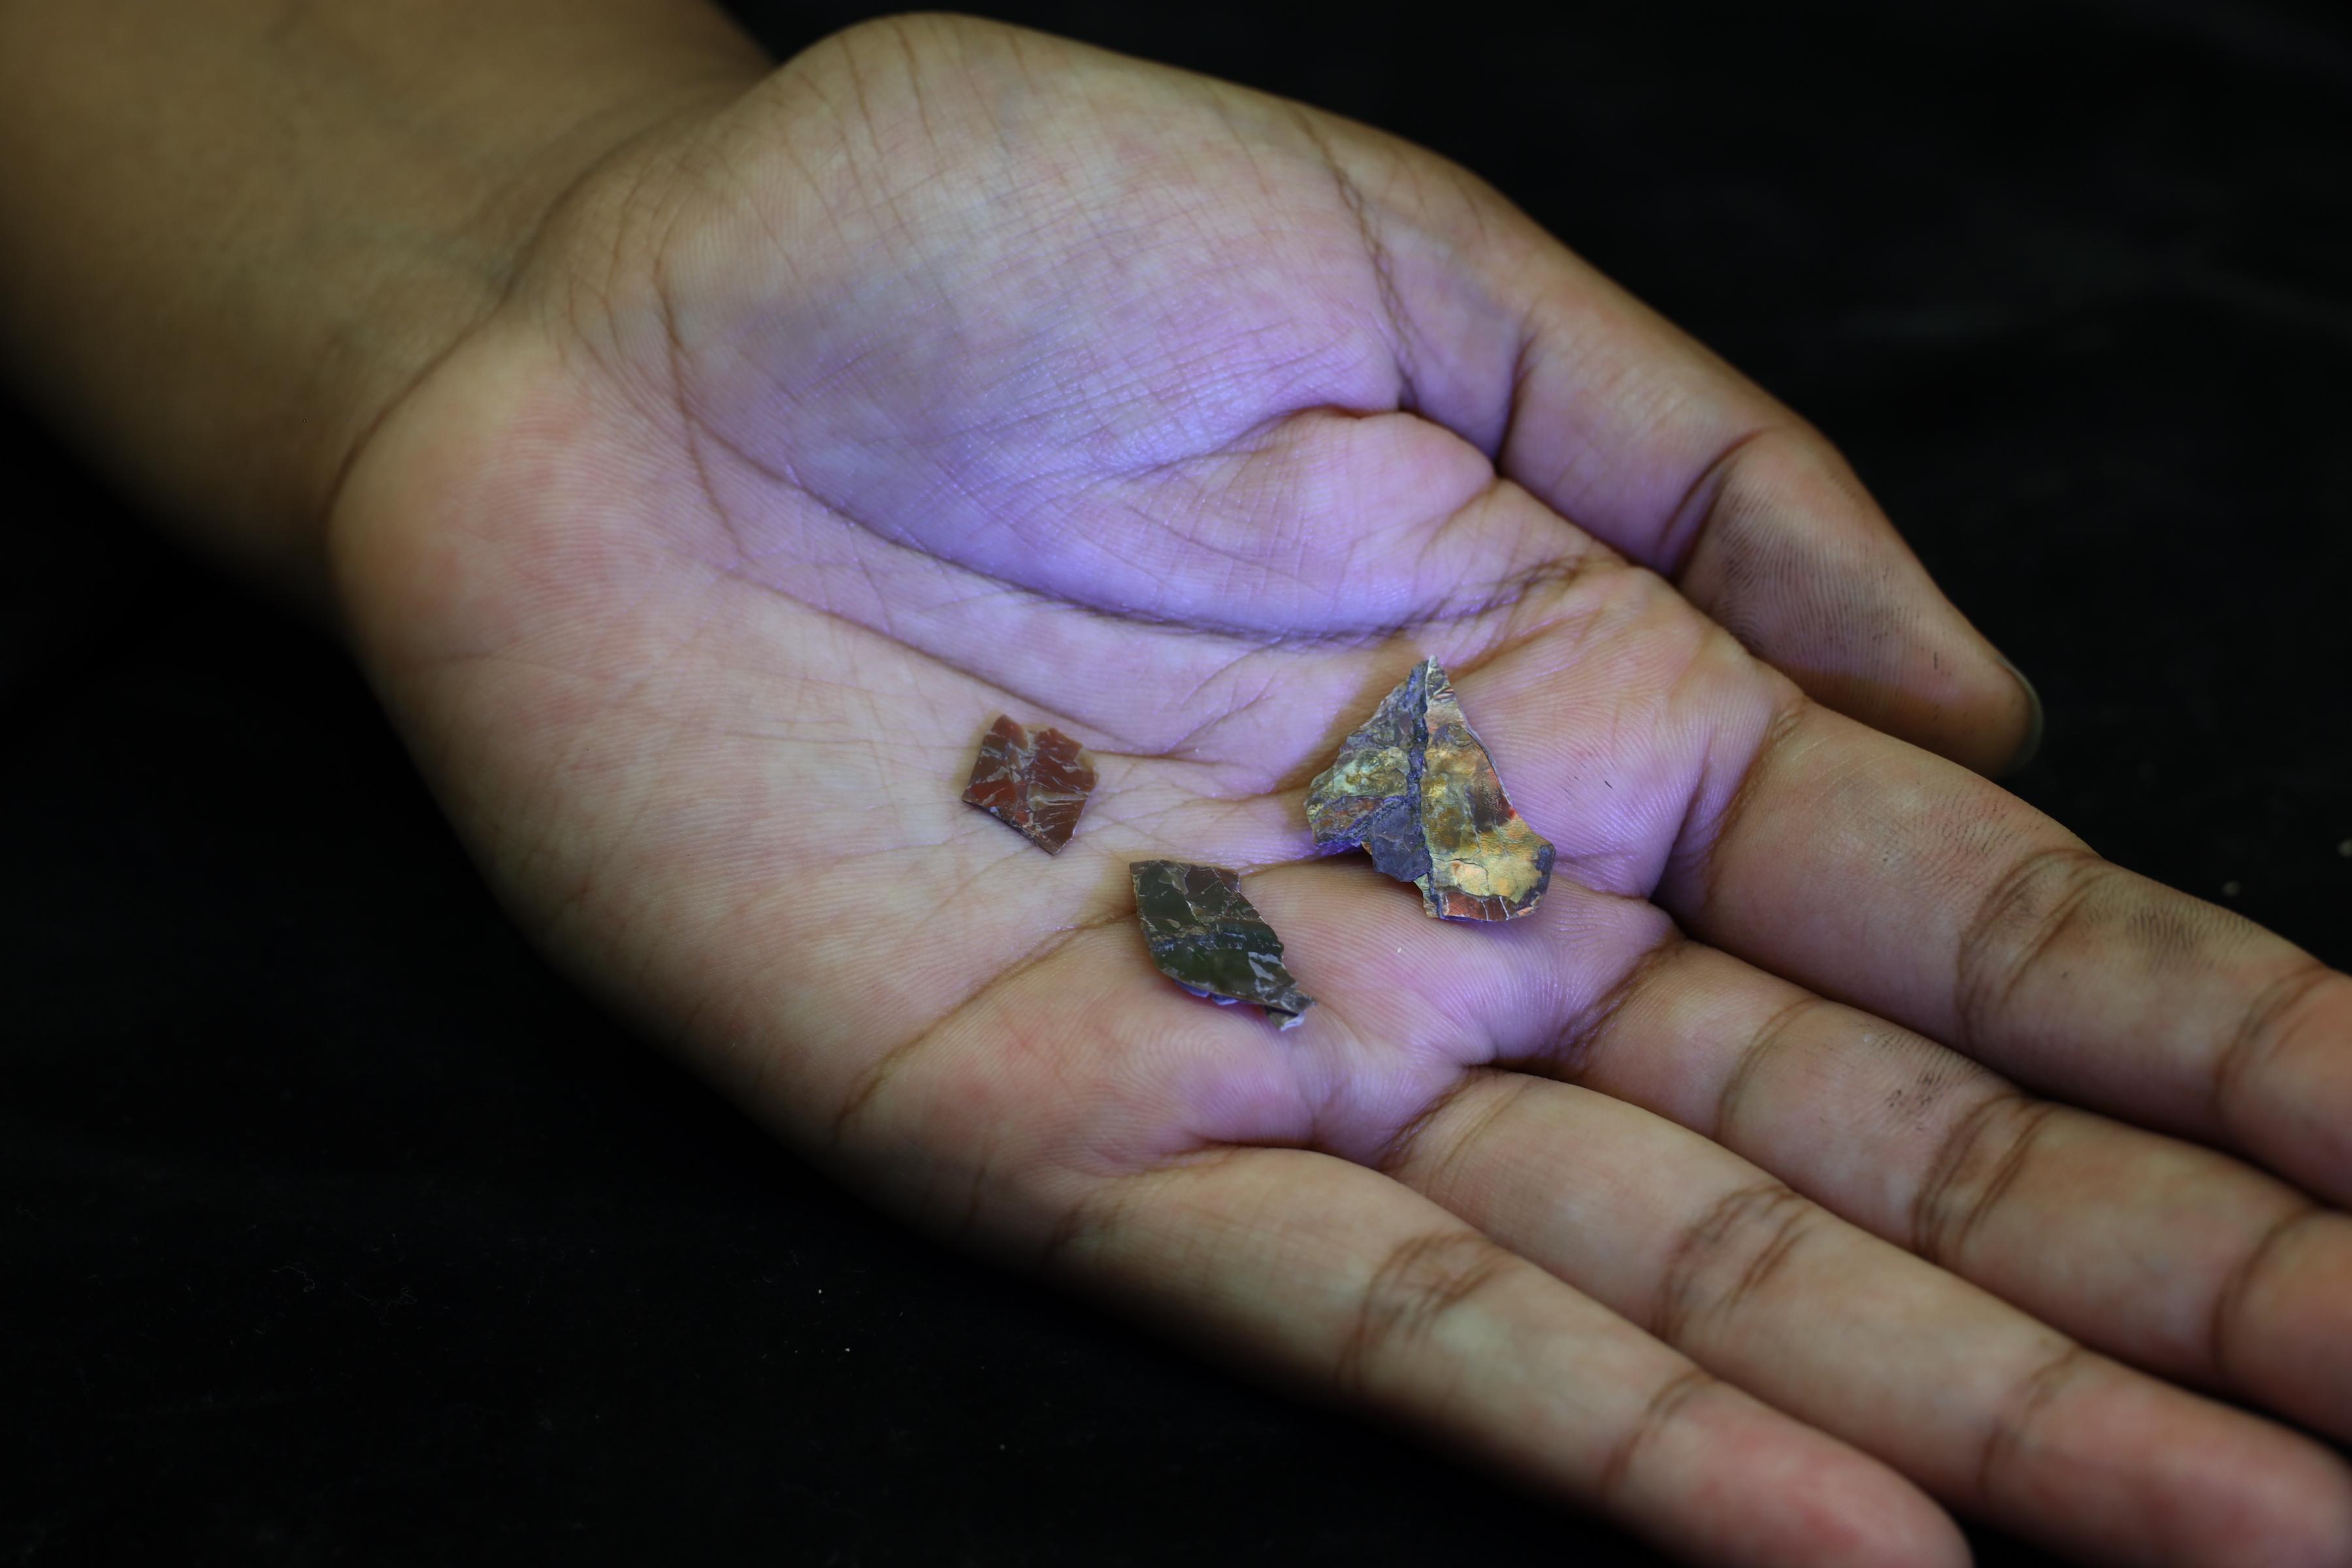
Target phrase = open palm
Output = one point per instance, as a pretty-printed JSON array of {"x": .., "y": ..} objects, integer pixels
[{"x": 959, "y": 371}]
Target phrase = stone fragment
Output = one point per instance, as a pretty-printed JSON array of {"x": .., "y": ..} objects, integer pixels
[
  {"x": 1036, "y": 780},
  {"x": 1206, "y": 936},
  {"x": 1415, "y": 790}
]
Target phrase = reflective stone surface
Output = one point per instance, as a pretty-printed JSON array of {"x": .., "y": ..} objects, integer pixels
[
  {"x": 1206, "y": 937},
  {"x": 1415, "y": 789},
  {"x": 1036, "y": 780}
]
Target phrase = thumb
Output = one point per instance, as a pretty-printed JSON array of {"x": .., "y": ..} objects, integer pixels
[{"x": 1630, "y": 429}]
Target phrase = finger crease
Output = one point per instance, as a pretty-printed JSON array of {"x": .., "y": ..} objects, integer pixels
[
  {"x": 1777, "y": 736},
  {"x": 1418, "y": 1283},
  {"x": 1401, "y": 1150},
  {"x": 1983, "y": 981},
  {"x": 1940, "y": 1228},
  {"x": 2011, "y": 1428},
  {"x": 1767, "y": 1206},
  {"x": 2229, "y": 1301},
  {"x": 1572, "y": 1053},
  {"x": 1752, "y": 1056},
  {"x": 1689, "y": 521},
  {"x": 1663, "y": 1406},
  {"x": 1107, "y": 1206},
  {"x": 2259, "y": 1032}
]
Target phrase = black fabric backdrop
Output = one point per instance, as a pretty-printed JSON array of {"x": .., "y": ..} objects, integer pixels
[{"x": 334, "y": 1227}]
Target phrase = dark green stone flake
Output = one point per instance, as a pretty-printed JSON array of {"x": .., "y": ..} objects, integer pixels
[{"x": 1206, "y": 938}]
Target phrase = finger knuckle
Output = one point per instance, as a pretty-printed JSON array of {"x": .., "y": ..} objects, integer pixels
[
  {"x": 1727, "y": 1256},
  {"x": 1416, "y": 1287},
  {"x": 1977, "y": 1162},
  {"x": 2023, "y": 920}
]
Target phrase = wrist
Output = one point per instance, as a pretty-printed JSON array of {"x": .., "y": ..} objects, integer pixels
[
  {"x": 438, "y": 290},
  {"x": 232, "y": 245}
]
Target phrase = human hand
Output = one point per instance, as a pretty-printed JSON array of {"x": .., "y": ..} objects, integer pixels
[{"x": 959, "y": 369}]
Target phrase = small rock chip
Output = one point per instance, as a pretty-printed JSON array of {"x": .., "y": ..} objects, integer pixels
[
  {"x": 1206, "y": 938},
  {"x": 1034, "y": 780},
  {"x": 1415, "y": 790}
]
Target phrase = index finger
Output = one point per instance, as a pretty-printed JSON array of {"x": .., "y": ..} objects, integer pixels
[{"x": 1884, "y": 876}]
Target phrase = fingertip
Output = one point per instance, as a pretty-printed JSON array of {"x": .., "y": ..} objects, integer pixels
[
  {"x": 2031, "y": 747},
  {"x": 1893, "y": 1525},
  {"x": 2294, "y": 1511},
  {"x": 1804, "y": 1499},
  {"x": 2124, "y": 1467}
]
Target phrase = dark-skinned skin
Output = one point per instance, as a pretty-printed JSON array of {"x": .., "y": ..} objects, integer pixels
[{"x": 698, "y": 456}]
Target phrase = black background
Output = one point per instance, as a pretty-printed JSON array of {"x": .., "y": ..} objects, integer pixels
[{"x": 334, "y": 1227}]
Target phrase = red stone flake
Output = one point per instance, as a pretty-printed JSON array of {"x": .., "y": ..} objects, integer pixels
[{"x": 1034, "y": 780}]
